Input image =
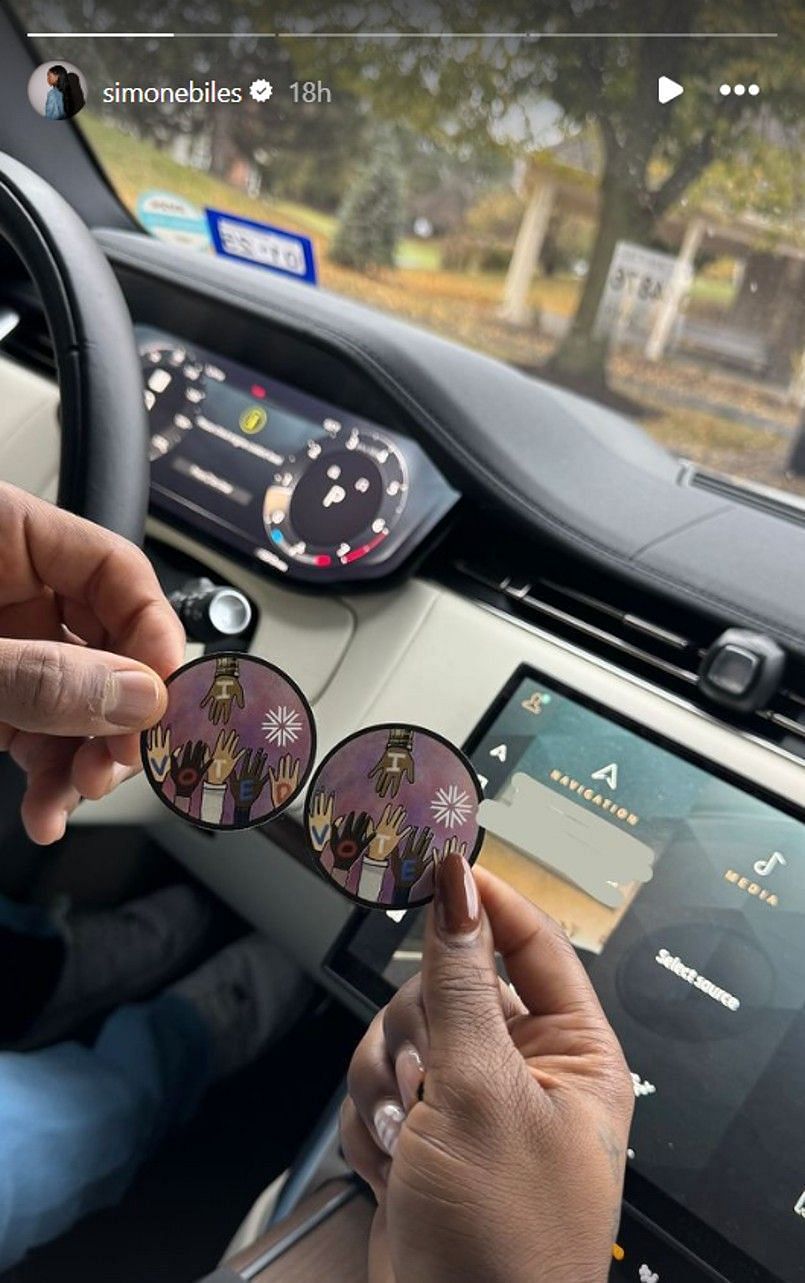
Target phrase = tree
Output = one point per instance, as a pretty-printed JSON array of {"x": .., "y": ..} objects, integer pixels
[
  {"x": 371, "y": 217},
  {"x": 653, "y": 152},
  {"x": 481, "y": 95},
  {"x": 480, "y": 91}
]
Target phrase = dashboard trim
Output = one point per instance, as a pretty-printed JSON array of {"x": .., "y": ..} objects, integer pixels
[
  {"x": 643, "y": 684},
  {"x": 732, "y": 561}
]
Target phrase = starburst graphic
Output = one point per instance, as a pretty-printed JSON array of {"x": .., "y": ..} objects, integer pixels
[
  {"x": 451, "y": 806},
  {"x": 282, "y": 726}
]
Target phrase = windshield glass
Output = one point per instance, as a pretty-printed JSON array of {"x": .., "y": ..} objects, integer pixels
[{"x": 606, "y": 195}]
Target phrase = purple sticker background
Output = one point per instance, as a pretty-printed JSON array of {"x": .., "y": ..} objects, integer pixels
[
  {"x": 437, "y": 766},
  {"x": 263, "y": 690}
]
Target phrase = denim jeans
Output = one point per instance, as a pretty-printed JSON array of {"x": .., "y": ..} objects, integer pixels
[{"x": 76, "y": 1122}]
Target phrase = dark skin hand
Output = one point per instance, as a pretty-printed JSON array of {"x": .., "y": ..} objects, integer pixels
[
  {"x": 350, "y": 838},
  {"x": 86, "y": 639},
  {"x": 396, "y": 764},
  {"x": 491, "y": 1126},
  {"x": 408, "y": 860},
  {"x": 189, "y": 765},
  {"x": 248, "y": 781},
  {"x": 225, "y": 690}
]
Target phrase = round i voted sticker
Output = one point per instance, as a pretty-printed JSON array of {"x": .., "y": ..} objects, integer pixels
[
  {"x": 384, "y": 807},
  {"x": 236, "y": 744}
]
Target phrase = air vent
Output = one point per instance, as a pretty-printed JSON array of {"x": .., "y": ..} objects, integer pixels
[
  {"x": 789, "y": 507},
  {"x": 663, "y": 644}
]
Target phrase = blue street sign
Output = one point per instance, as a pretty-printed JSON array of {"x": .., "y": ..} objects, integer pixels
[{"x": 262, "y": 245}]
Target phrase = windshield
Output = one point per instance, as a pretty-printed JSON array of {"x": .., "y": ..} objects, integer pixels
[{"x": 606, "y": 195}]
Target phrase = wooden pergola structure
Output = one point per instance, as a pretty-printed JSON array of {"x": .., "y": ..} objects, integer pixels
[{"x": 550, "y": 185}]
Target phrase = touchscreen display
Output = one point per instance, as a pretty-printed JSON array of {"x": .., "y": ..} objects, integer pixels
[
  {"x": 685, "y": 897},
  {"x": 303, "y": 487}
]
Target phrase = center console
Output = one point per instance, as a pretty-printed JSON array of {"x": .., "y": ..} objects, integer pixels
[{"x": 683, "y": 889}]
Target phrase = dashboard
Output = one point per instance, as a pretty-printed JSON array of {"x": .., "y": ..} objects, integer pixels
[
  {"x": 689, "y": 927},
  {"x": 314, "y": 493},
  {"x": 703, "y": 989}
]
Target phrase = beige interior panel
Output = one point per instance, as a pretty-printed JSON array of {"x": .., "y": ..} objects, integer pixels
[
  {"x": 29, "y": 429},
  {"x": 420, "y": 654}
]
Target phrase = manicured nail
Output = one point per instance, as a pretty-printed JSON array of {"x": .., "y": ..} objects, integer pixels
[
  {"x": 389, "y": 1118},
  {"x": 131, "y": 699},
  {"x": 410, "y": 1074},
  {"x": 458, "y": 911}
]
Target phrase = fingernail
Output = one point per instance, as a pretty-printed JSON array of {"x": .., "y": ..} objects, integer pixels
[
  {"x": 410, "y": 1072},
  {"x": 388, "y": 1120},
  {"x": 131, "y": 699},
  {"x": 458, "y": 911}
]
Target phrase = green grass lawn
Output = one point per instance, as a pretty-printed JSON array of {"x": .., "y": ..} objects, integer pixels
[
  {"x": 135, "y": 165},
  {"x": 461, "y": 305}
]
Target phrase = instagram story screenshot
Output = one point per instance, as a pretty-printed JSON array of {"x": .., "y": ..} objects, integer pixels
[{"x": 402, "y": 641}]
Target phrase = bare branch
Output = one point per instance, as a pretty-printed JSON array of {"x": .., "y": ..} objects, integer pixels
[{"x": 693, "y": 162}]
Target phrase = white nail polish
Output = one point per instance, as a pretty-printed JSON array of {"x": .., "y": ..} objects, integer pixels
[{"x": 388, "y": 1119}]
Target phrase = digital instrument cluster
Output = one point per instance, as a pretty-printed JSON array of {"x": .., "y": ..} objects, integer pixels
[{"x": 307, "y": 489}]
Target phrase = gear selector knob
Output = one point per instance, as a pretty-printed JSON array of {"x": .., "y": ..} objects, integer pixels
[{"x": 211, "y": 611}]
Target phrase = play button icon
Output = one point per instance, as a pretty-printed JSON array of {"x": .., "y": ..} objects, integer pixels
[{"x": 668, "y": 89}]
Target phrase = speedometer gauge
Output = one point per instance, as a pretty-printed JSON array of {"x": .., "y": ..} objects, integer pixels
[
  {"x": 302, "y": 487},
  {"x": 338, "y": 501},
  {"x": 175, "y": 389}
]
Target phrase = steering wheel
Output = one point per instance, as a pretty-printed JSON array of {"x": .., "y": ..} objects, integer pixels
[{"x": 103, "y": 473}]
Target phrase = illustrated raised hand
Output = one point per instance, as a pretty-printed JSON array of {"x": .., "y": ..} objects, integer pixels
[
  {"x": 350, "y": 838},
  {"x": 247, "y": 782},
  {"x": 396, "y": 764},
  {"x": 453, "y": 846},
  {"x": 490, "y": 1122},
  {"x": 320, "y": 820},
  {"x": 388, "y": 833},
  {"x": 225, "y": 757},
  {"x": 189, "y": 766},
  {"x": 158, "y": 751},
  {"x": 408, "y": 859},
  {"x": 284, "y": 781},
  {"x": 225, "y": 690}
]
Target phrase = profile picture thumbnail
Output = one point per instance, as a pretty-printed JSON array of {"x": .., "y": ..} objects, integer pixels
[{"x": 57, "y": 90}]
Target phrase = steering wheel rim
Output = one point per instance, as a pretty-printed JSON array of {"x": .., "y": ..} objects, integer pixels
[{"x": 103, "y": 472}]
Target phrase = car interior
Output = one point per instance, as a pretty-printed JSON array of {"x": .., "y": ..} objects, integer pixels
[{"x": 611, "y": 629}]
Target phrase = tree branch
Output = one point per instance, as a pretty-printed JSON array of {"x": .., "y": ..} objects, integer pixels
[{"x": 693, "y": 162}]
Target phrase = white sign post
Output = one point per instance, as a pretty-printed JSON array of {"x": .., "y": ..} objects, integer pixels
[{"x": 636, "y": 285}]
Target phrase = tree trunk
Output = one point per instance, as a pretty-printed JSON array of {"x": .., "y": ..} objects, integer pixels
[
  {"x": 580, "y": 359},
  {"x": 526, "y": 252},
  {"x": 222, "y": 147}
]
